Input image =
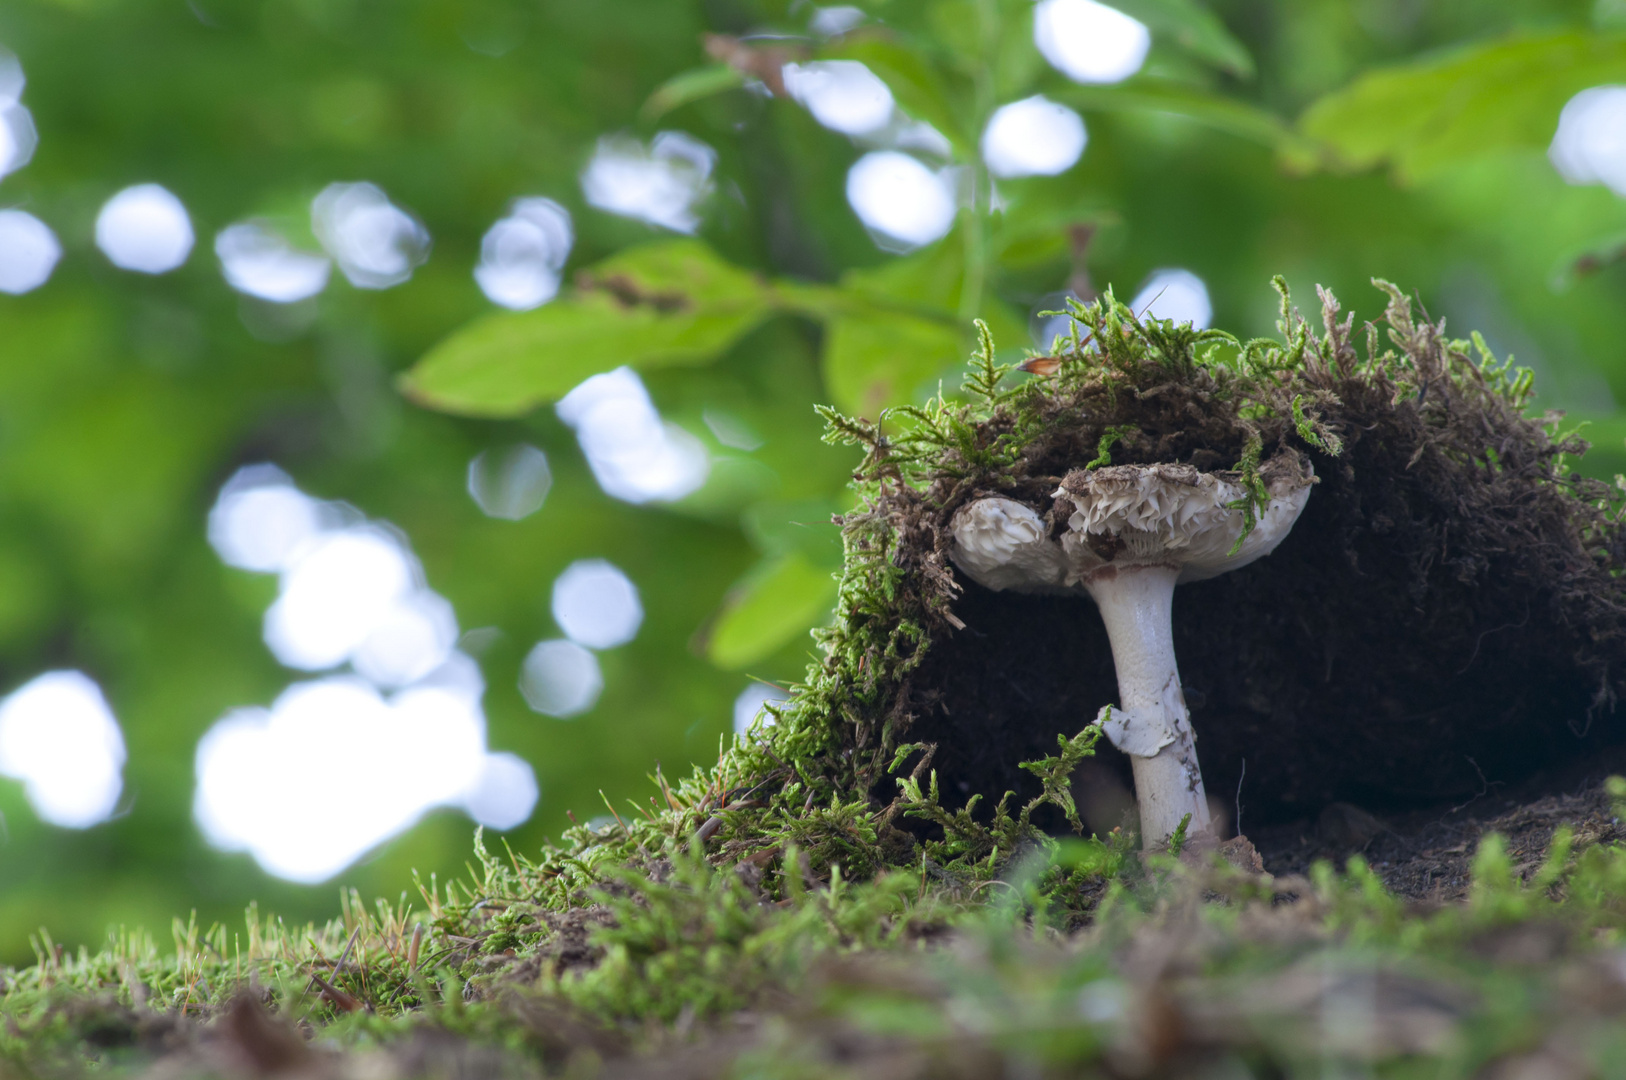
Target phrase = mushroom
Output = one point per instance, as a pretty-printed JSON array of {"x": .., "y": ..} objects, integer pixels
[{"x": 1132, "y": 533}]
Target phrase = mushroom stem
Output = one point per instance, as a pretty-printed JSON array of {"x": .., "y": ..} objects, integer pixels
[{"x": 1137, "y": 605}]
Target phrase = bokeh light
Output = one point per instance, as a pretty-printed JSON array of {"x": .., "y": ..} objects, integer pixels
[
  {"x": 18, "y": 138},
  {"x": 661, "y": 183},
  {"x": 835, "y": 20},
  {"x": 900, "y": 199},
  {"x": 258, "y": 261},
  {"x": 1589, "y": 146},
  {"x": 1174, "y": 294},
  {"x": 332, "y": 769},
  {"x": 1090, "y": 42},
  {"x": 1033, "y": 137},
  {"x": 843, "y": 95},
  {"x": 505, "y": 792},
  {"x": 28, "y": 252},
  {"x": 523, "y": 254},
  {"x": 12, "y": 79},
  {"x": 335, "y": 594},
  {"x": 261, "y": 522},
  {"x": 144, "y": 228},
  {"x": 560, "y": 678},
  {"x": 750, "y": 702},
  {"x": 349, "y": 590},
  {"x": 596, "y": 605},
  {"x": 59, "y": 738},
  {"x": 411, "y": 638},
  {"x": 634, "y": 455},
  {"x": 510, "y": 484},
  {"x": 375, "y": 242}
]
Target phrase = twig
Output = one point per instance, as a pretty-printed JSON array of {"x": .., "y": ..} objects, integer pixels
[
  {"x": 343, "y": 956},
  {"x": 340, "y": 999},
  {"x": 415, "y": 946}
]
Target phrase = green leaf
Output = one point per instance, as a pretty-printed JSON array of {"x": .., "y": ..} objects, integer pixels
[
  {"x": 659, "y": 305},
  {"x": 928, "y": 281},
  {"x": 800, "y": 525},
  {"x": 1149, "y": 94},
  {"x": 1194, "y": 29},
  {"x": 1586, "y": 259},
  {"x": 1505, "y": 94},
  {"x": 681, "y": 270},
  {"x": 783, "y": 597},
  {"x": 874, "y": 360},
  {"x": 507, "y": 365},
  {"x": 1034, "y": 231},
  {"x": 689, "y": 87}
]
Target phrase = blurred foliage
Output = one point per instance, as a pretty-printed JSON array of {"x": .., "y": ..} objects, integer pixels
[{"x": 1329, "y": 141}]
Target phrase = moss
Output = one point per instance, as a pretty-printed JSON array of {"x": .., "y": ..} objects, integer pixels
[{"x": 1184, "y": 965}]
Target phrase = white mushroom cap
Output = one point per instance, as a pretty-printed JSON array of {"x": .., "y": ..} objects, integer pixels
[
  {"x": 1126, "y": 516},
  {"x": 1004, "y": 544},
  {"x": 1174, "y": 515}
]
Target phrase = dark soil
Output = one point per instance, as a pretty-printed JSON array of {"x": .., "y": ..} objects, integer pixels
[
  {"x": 1427, "y": 854},
  {"x": 1348, "y": 715}
]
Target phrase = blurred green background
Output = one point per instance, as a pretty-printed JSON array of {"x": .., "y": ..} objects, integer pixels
[{"x": 1327, "y": 141}]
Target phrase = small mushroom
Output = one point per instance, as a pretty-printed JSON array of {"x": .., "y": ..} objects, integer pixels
[{"x": 1133, "y": 532}]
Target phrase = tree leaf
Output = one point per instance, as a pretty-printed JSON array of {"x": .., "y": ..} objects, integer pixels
[
  {"x": 803, "y": 525},
  {"x": 682, "y": 270},
  {"x": 1419, "y": 117},
  {"x": 659, "y": 305},
  {"x": 876, "y": 359},
  {"x": 689, "y": 87},
  {"x": 784, "y": 596},
  {"x": 1150, "y": 94},
  {"x": 928, "y": 281},
  {"x": 1584, "y": 260},
  {"x": 891, "y": 330},
  {"x": 1193, "y": 28}
]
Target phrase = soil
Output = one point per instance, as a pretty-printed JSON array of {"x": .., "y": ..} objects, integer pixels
[
  {"x": 1427, "y": 854},
  {"x": 1317, "y": 718}
]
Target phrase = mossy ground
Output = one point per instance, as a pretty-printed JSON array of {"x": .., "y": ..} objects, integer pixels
[
  {"x": 679, "y": 969},
  {"x": 895, "y": 877}
]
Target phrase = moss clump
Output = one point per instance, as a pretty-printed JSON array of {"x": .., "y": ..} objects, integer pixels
[{"x": 1449, "y": 608}]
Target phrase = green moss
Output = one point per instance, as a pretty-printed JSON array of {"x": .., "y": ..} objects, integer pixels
[{"x": 1184, "y": 963}]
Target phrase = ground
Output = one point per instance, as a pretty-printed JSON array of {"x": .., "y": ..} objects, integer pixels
[
  {"x": 1472, "y": 956},
  {"x": 1427, "y": 855}
]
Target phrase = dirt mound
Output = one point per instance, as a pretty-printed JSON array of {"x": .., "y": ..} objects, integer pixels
[{"x": 1446, "y": 609}]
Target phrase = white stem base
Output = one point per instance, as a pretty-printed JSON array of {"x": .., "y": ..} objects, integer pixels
[{"x": 1137, "y": 605}]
